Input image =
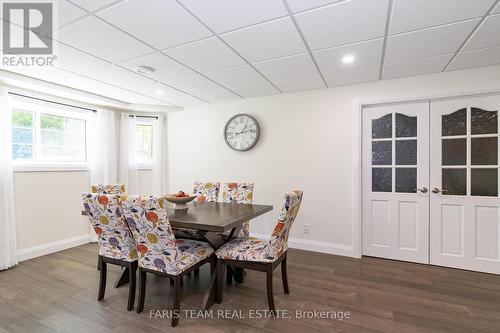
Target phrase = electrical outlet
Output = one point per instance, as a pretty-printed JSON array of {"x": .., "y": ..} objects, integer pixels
[{"x": 307, "y": 228}]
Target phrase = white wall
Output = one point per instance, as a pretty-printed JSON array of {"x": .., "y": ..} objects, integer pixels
[{"x": 307, "y": 142}]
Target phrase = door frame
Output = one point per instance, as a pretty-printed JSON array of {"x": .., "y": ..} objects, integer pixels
[{"x": 357, "y": 138}]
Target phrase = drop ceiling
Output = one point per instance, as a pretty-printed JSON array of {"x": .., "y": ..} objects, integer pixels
[{"x": 210, "y": 51}]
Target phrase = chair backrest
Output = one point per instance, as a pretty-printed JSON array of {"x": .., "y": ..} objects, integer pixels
[
  {"x": 106, "y": 216},
  {"x": 279, "y": 238},
  {"x": 237, "y": 193},
  {"x": 206, "y": 191},
  {"x": 156, "y": 243},
  {"x": 108, "y": 188}
]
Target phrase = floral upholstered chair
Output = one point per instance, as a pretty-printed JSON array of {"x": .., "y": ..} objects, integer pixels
[
  {"x": 259, "y": 254},
  {"x": 239, "y": 193},
  {"x": 159, "y": 251},
  {"x": 108, "y": 188},
  {"x": 206, "y": 192},
  {"x": 116, "y": 244}
]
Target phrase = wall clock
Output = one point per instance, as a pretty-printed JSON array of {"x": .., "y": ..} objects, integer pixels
[{"x": 241, "y": 132}]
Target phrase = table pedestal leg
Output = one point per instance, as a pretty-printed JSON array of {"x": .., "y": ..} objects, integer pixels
[{"x": 123, "y": 278}]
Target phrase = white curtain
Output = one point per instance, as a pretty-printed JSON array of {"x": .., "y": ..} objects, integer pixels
[
  {"x": 159, "y": 156},
  {"x": 102, "y": 151},
  {"x": 8, "y": 246},
  {"x": 128, "y": 162}
]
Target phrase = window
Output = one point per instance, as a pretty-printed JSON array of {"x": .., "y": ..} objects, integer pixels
[
  {"x": 43, "y": 134},
  {"x": 144, "y": 144}
]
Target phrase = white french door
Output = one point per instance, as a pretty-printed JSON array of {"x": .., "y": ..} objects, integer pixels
[
  {"x": 431, "y": 183},
  {"x": 465, "y": 207},
  {"x": 395, "y": 182}
]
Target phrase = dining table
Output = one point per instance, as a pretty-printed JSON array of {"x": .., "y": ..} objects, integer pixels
[{"x": 212, "y": 219}]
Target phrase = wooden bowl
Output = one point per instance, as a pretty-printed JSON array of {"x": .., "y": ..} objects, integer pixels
[{"x": 179, "y": 202}]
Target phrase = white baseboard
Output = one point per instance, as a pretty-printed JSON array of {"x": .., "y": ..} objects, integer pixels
[
  {"x": 48, "y": 248},
  {"x": 316, "y": 246}
]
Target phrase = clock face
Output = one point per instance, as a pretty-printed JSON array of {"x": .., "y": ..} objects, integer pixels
[{"x": 241, "y": 132}]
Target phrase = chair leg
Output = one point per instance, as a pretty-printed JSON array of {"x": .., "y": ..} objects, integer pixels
[
  {"x": 220, "y": 283},
  {"x": 270, "y": 296},
  {"x": 132, "y": 269},
  {"x": 229, "y": 274},
  {"x": 177, "y": 300},
  {"x": 142, "y": 290},
  {"x": 284, "y": 276},
  {"x": 98, "y": 263},
  {"x": 196, "y": 272},
  {"x": 102, "y": 278}
]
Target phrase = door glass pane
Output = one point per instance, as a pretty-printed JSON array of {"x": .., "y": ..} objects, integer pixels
[
  {"x": 382, "y": 127},
  {"x": 484, "y": 122},
  {"x": 454, "y": 181},
  {"x": 484, "y": 182},
  {"x": 406, "y": 152},
  {"x": 454, "y": 151},
  {"x": 382, "y": 153},
  {"x": 484, "y": 151},
  {"x": 406, "y": 126},
  {"x": 455, "y": 123},
  {"x": 406, "y": 180},
  {"x": 381, "y": 179}
]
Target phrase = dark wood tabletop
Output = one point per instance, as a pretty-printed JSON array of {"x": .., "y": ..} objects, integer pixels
[{"x": 214, "y": 216}]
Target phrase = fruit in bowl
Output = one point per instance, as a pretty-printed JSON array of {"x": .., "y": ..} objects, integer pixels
[{"x": 180, "y": 199}]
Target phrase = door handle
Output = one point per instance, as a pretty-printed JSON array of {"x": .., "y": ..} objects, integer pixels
[
  {"x": 423, "y": 189},
  {"x": 436, "y": 190}
]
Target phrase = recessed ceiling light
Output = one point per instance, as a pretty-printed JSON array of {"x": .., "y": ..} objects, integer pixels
[
  {"x": 159, "y": 92},
  {"x": 348, "y": 59},
  {"x": 144, "y": 69}
]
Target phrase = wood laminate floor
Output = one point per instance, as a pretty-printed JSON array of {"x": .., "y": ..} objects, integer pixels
[{"x": 57, "y": 293}]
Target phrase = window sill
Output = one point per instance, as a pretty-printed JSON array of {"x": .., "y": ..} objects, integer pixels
[{"x": 50, "y": 167}]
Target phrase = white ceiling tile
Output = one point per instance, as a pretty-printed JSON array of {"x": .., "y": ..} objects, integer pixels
[
  {"x": 106, "y": 90},
  {"x": 160, "y": 23},
  {"x": 266, "y": 41},
  {"x": 99, "y": 38},
  {"x": 216, "y": 55},
  {"x": 300, "y": 5},
  {"x": 45, "y": 73},
  {"x": 91, "y": 5},
  {"x": 179, "y": 98},
  {"x": 488, "y": 35},
  {"x": 497, "y": 10},
  {"x": 237, "y": 77},
  {"x": 76, "y": 61},
  {"x": 343, "y": 23},
  {"x": 124, "y": 78},
  {"x": 286, "y": 68},
  {"x": 353, "y": 76},
  {"x": 256, "y": 91},
  {"x": 165, "y": 69},
  {"x": 476, "y": 58},
  {"x": 366, "y": 54},
  {"x": 408, "y": 15},
  {"x": 416, "y": 67},
  {"x": 428, "y": 42},
  {"x": 203, "y": 88},
  {"x": 226, "y": 15},
  {"x": 67, "y": 12},
  {"x": 302, "y": 83}
]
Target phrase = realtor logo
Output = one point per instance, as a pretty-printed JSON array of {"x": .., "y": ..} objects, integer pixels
[{"x": 27, "y": 28}]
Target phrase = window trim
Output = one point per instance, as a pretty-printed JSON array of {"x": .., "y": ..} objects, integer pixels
[{"x": 38, "y": 109}]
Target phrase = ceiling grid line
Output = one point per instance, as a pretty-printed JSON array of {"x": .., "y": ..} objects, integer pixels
[
  {"x": 473, "y": 32},
  {"x": 386, "y": 38},
  {"x": 229, "y": 46},
  {"x": 308, "y": 48}
]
